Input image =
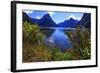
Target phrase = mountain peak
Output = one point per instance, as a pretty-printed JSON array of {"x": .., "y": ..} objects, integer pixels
[
  {"x": 71, "y": 18},
  {"x": 46, "y": 15}
]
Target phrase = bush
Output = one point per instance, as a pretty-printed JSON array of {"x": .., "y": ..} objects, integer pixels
[
  {"x": 33, "y": 48},
  {"x": 81, "y": 41}
]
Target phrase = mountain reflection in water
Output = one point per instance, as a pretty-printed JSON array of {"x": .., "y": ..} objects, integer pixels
[{"x": 59, "y": 39}]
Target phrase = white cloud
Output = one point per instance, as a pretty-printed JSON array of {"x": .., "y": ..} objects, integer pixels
[
  {"x": 38, "y": 17},
  {"x": 74, "y": 17},
  {"x": 50, "y": 13},
  {"x": 28, "y": 11}
]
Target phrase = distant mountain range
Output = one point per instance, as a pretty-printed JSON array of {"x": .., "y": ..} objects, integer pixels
[
  {"x": 46, "y": 21},
  {"x": 69, "y": 23}
]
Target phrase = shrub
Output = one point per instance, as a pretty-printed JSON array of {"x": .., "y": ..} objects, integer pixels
[{"x": 81, "y": 41}]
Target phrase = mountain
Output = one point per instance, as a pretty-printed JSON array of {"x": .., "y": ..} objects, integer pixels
[
  {"x": 46, "y": 21},
  {"x": 85, "y": 21},
  {"x": 28, "y": 19},
  {"x": 25, "y": 17},
  {"x": 69, "y": 23},
  {"x": 63, "y": 24},
  {"x": 72, "y": 23}
]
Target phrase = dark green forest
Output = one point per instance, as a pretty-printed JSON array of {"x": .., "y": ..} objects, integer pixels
[{"x": 34, "y": 50}]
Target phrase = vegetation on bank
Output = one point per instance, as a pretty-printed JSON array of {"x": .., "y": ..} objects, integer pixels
[
  {"x": 81, "y": 42},
  {"x": 34, "y": 50}
]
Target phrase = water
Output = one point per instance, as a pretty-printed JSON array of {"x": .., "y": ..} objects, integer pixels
[{"x": 59, "y": 39}]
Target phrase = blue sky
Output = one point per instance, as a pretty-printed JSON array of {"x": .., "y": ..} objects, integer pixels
[{"x": 58, "y": 17}]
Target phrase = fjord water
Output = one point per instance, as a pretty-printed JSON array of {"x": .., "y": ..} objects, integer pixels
[{"x": 59, "y": 39}]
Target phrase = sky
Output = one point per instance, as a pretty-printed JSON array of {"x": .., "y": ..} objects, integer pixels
[{"x": 57, "y": 17}]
